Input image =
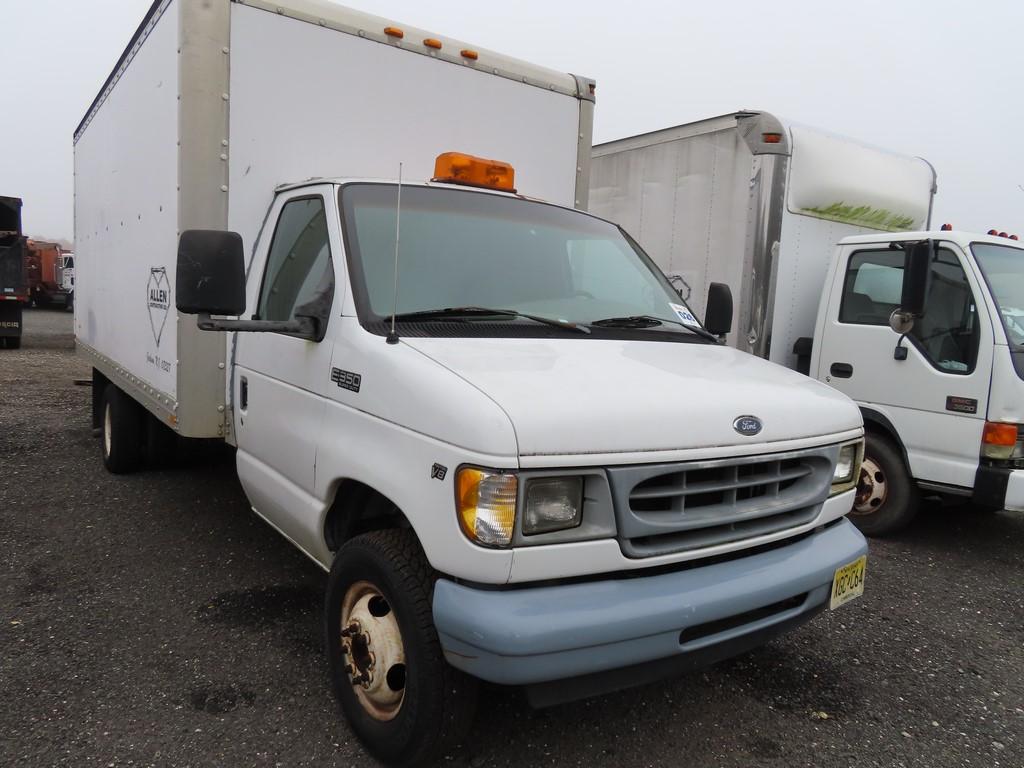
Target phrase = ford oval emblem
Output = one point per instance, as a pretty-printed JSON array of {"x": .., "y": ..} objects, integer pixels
[{"x": 747, "y": 425}]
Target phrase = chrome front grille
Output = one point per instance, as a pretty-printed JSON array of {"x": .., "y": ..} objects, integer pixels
[{"x": 666, "y": 508}]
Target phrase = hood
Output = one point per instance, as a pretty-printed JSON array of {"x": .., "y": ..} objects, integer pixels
[{"x": 579, "y": 396}]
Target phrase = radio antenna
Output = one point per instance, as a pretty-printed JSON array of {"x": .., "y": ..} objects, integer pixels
[{"x": 393, "y": 337}]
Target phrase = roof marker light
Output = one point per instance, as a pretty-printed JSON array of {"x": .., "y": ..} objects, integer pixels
[
  {"x": 459, "y": 168},
  {"x": 1014, "y": 237},
  {"x": 468, "y": 53},
  {"x": 994, "y": 232},
  {"x": 431, "y": 42},
  {"x": 1003, "y": 234},
  {"x": 947, "y": 228},
  {"x": 394, "y": 32}
]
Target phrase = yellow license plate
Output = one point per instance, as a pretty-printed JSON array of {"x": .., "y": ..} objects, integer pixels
[{"x": 848, "y": 583}]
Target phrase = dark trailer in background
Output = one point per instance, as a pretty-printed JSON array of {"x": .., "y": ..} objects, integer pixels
[{"x": 13, "y": 287}]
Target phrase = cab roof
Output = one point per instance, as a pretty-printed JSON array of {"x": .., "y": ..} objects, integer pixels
[{"x": 961, "y": 238}]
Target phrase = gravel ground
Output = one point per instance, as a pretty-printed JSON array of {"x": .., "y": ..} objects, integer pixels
[{"x": 153, "y": 620}]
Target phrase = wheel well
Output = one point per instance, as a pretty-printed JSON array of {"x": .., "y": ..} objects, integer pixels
[
  {"x": 878, "y": 424},
  {"x": 358, "y": 508}
]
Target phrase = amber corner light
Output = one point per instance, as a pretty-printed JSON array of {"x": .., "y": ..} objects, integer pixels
[
  {"x": 459, "y": 168},
  {"x": 771, "y": 138}
]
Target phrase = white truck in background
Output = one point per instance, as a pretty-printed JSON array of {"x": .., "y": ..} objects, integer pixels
[
  {"x": 761, "y": 205},
  {"x": 478, "y": 411}
]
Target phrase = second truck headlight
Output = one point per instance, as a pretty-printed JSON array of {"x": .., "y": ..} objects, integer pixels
[{"x": 847, "y": 469}]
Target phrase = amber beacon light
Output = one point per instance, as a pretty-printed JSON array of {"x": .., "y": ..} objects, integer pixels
[{"x": 458, "y": 168}]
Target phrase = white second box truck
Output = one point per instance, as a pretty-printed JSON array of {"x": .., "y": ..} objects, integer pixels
[
  {"x": 484, "y": 412},
  {"x": 760, "y": 204}
]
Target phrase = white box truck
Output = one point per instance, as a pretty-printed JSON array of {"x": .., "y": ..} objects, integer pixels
[
  {"x": 761, "y": 204},
  {"x": 483, "y": 412}
]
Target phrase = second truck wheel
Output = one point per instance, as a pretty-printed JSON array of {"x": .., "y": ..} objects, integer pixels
[{"x": 887, "y": 498}]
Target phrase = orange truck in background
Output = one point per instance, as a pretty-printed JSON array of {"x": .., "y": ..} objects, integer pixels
[
  {"x": 14, "y": 292},
  {"x": 48, "y": 278}
]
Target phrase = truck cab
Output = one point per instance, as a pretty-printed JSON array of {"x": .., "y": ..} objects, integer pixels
[
  {"x": 509, "y": 394},
  {"x": 942, "y": 400}
]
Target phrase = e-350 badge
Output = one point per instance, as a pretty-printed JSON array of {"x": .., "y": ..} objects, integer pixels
[{"x": 158, "y": 291}]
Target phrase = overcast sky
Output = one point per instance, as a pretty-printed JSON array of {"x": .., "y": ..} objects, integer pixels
[{"x": 935, "y": 78}]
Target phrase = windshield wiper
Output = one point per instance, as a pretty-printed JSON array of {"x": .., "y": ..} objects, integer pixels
[
  {"x": 456, "y": 313},
  {"x": 649, "y": 321},
  {"x": 630, "y": 321}
]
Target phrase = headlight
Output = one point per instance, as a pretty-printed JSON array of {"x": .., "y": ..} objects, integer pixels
[
  {"x": 847, "y": 469},
  {"x": 486, "y": 504},
  {"x": 552, "y": 504}
]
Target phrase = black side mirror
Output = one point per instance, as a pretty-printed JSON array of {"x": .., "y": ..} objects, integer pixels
[
  {"x": 718, "y": 315},
  {"x": 916, "y": 276},
  {"x": 211, "y": 273}
]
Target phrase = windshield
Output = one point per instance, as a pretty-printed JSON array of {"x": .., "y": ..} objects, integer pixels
[
  {"x": 1004, "y": 270},
  {"x": 463, "y": 249}
]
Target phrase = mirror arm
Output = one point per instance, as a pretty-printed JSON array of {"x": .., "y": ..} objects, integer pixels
[{"x": 300, "y": 326}]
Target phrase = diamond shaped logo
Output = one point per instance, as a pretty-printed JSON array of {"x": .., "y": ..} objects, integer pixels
[{"x": 159, "y": 300}]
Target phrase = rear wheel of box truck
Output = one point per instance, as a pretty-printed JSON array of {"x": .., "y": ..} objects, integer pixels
[
  {"x": 398, "y": 693},
  {"x": 887, "y": 498},
  {"x": 121, "y": 431}
]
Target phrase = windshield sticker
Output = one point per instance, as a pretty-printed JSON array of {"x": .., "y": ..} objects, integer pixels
[{"x": 684, "y": 314}]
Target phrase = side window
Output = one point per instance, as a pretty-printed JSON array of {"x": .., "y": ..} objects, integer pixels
[
  {"x": 874, "y": 284},
  {"x": 299, "y": 268},
  {"x": 948, "y": 333}
]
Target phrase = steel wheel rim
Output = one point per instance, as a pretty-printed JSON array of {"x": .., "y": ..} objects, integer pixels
[
  {"x": 872, "y": 488},
  {"x": 374, "y": 655},
  {"x": 106, "y": 430}
]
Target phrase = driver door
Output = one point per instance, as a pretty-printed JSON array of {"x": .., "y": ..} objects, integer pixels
[
  {"x": 280, "y": 380},
  {"x": 937, "y": 397}
]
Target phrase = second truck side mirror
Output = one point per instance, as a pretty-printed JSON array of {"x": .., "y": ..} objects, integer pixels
[
  {"x": 718, "y": 315},
  {"x": 916, "y": 274},
  {"x": 916, "y": 277},
  {"x": 211, "y": 273}
]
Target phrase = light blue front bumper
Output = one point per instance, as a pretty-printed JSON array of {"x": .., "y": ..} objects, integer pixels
[{"x": 708, "y": 612}]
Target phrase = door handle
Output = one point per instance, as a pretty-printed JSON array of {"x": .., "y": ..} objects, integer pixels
[
  {"x": 841, "y": 370},
  {"x": 243, "y": 393}
]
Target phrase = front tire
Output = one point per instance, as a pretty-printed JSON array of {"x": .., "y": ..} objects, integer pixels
[
  {"x": 887, "y": 499},
  {"x": 121, "y": 431},
  {"x": 402, "y": 699}
]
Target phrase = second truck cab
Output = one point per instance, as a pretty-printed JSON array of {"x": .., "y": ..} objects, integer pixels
[{"x": 942, "y": 401}]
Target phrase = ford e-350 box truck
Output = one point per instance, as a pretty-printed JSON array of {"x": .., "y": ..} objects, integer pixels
[{"x": 484, "y": 412}]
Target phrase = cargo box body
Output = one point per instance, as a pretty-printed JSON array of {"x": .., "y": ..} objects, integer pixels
[
  {"x": 215, "y": 104},
  {"x": 757, "y": 203}
]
